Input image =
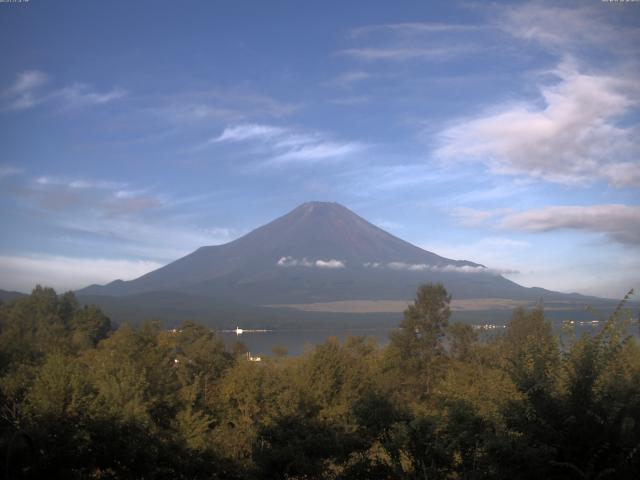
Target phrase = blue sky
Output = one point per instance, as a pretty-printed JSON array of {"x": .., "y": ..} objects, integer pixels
[{"x": 132, "y": 133}]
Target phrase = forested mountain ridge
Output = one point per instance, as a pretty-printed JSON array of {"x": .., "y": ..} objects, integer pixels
[
  {"x": 6, "y": 295},
  {"x": 80, "y": 400}
]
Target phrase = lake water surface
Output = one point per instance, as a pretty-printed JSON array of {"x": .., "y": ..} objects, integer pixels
[{"x": 296, "y": 341}]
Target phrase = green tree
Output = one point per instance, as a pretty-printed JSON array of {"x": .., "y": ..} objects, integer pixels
[
  {"x": 333, "y": 376},
  {"x": 297, "y": 446},
  {"x": 198, "y": 358},
  {"x": 60, "y": 389},
  {"x": 379, "y": 454},
  {"x": 462, "y": 340},
  {"x": 531, "y": 352},
  {"x": 578, "y": 413},
  {"x": 249, "y": 396},
  {"x": 89, "y": 325},
  {"x": 416, "y": 349}
]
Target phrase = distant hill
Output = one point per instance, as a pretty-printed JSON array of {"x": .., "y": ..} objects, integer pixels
[{"x": 7, "y": 296}]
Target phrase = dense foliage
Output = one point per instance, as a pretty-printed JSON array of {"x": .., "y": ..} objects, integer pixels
[{"x": 79, "y": 399}]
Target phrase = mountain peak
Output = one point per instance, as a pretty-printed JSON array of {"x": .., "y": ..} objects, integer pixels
[{"x": 317, "y": 206}]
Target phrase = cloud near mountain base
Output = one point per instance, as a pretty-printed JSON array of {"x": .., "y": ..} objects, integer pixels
[{"x": 304, "y": 262}]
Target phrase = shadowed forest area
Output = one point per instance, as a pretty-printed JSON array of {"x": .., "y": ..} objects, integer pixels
[{"x": 82, "y": 400}]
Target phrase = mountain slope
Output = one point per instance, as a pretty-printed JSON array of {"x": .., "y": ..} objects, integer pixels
[
  {"x": 7, "y": 296},
  {"x": 316, "y": 253}
]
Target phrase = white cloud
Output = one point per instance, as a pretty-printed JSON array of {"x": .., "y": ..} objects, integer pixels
[
  {"x": 286, "y": 145},
  {"x": 304, "y": 262},
  {"x": 416, "y": 267},
  {"x": 101, "y": 197},
  {"x": 97, "y": 214},
  {"x": 476, "y": 269},
  {"x": 412, "y": 41},
  {"x": 350, "y": 101},
  {"x": 329, "y": 264},
  {"x": 23, "y": 93},
  {"x": 319, "y": 151},
  {"x": 26, "y": 92},
  {"x": 622, "y": 173},
  {"x": 80, "y": 95},
  {"x": 28, "y": 81},
  {"x": 349, "y": 79},
  {"x": 249, "y": 131},
  {"x": 78, "y": 183},
  {"x": 65, "y": 273},
  {"x": 181, "y": 113},
  {"x": 292, "y": 262},
  {"x": 403, "y": 53},
  {"x": 8, "y": 171},
  {"x": 563, "y": 29},
  {"x": 218, "y": 105},
  {"x": 620, "y": 222},
  {"x": 421, "y": 267},
  {"x": 413, "y": 28},
  {"x": 504, "y": 255},
  {"x": 573, "y": 138},
  {"x": 374, "y": 179},
  {"x": 372, "y": 265}
]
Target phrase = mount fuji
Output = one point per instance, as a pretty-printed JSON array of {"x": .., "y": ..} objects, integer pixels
[{"x": 319, "y": 252}]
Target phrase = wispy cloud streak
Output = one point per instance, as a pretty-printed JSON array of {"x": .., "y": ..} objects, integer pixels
[
  {"x": 29, "y": 91},
  {"x": 80, "y": 95},
  {"x": 286, "y": 145},
  {"x": 132, "y": 221},
  {"x": 403, "y": 53},
  {"x": 24, "y": 93},
  {"x": 9, "y": 171},
  {"x": 413, "y": 28}
]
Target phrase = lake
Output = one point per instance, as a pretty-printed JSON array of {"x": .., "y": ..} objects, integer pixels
[{"x": 297, "y": 340}]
